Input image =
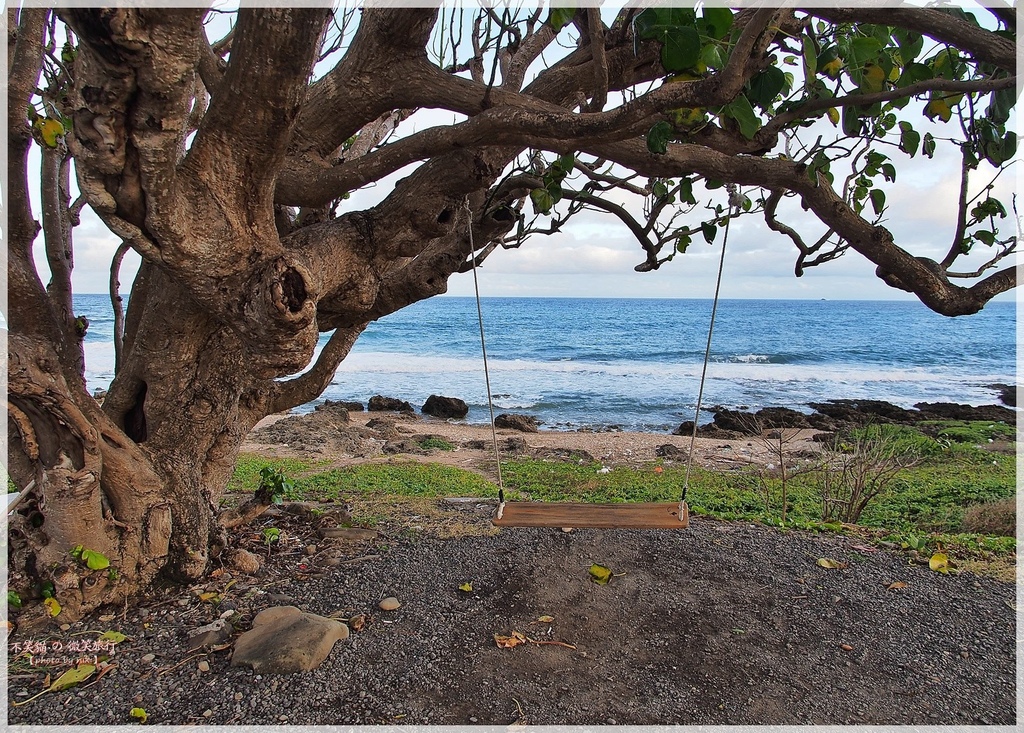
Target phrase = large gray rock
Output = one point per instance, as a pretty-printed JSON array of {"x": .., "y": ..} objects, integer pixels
[{"x": 283, "y": 639}]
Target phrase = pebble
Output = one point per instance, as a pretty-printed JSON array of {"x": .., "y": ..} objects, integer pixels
[
  {"x": 148, "y": 658},
  {"x": 239, "y": 696},
  {"x": 207, "y": 713},
  {"x": 65, "y": 627},
  {"x": 389, "y": 604},
  {"x": 203, "y": 665},
  {"x": 310, "y": 549}
]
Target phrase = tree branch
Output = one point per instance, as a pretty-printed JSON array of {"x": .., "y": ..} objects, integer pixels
[
  {"x": 942, "y": 26},
  {"x": 116, "y": 302},
  {"x": 311, "y": 384}
]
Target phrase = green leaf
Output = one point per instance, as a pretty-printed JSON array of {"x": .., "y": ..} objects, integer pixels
[
  {"x": 928, "y": 148},
  {"x": 718, "y": 21},
  {"x": 709, "y": 230},
  {"x": 682, "y": 243},
  {"x": 52, "y": 606},
  {"x": 658, "y": 137},
  {"x": 680, "y": 49},
  {"x": 655, "y": 23},
  {"x": 600, "y": 574},
  {"x": 558, "y": 18},
  {"x": 910, "y": 139},
  {"x": 95, "y": 560},
  {"x": 139, "y": 713},
  {"x": 910, "y": 43},
  {"x": 852, "y": 125},
  {"x": 466, "y": 587},
  {"x": 864, "y": 49},
  {"x": 46, "y": 589},
  {"x": 660, "y": 190},
  {"x": 985, "y": 237},
  {"x": 877, "y": 200},
  {"x": 711, "y": 56},
  {"x": 13, "y": 599},
  {"x": 810, "y": 57},
  {"x": 741, "y": 111},
  {"x": 765, "y": 86},
  {"x": 1000, "y": 105},
  {"x": 686, "y": 192},
  {"x": 542, "y": 200},
  {"x": 913, "y": 73},
  {"x": 115, "y": 636}
]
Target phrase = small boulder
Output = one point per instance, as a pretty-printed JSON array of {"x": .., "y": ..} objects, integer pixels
[
  {"x": 245, "y": 562},
  {"x": 668, "y": 450},
  {"x": 445, "y": 407},
  {"x": 283, "y": 640},
  {"x": 522, "y": 423},
  {"x": 379, "y": 403},
  {"x": 390, "y": 604}
]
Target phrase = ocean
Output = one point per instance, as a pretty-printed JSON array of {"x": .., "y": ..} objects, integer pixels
[{"x": 635, "y": 364}]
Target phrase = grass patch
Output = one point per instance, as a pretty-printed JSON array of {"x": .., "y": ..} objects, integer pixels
[
  {"x": 968, "y": 431},
  {"x": 247, "y": 471},
  {"x": 436, "y": 442},
  {"x": 946, "y": 498},
  {"x": 392, "y": 479}
]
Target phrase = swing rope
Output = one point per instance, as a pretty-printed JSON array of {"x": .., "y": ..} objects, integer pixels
[
  {"x": 487, "y": 375},
  {"x": 735, "y": 202},
  {"x": 666, "y": 515}
]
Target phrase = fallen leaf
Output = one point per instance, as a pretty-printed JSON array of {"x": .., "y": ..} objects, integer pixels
[
  {"x": 600, "y": 574},
  {"x": 896, "y": 586},
  {"x": 546, "y": 619},
  {"x": 658, "y": 469},
  {"x": 72, "y": 677},
  {"x": 139, "y": 713},
  {"x": 507, "y": 642},
  {"x": 830, "y": 564},
  {"x": 846, "y": 647},
  {"x": 939, "y": 562},
  {"x": 115, "y": 636},
  {"x": 208, "y": 596},
  {"x": 357, "y": 622},
  {"x": 467, "y": 587},
  {"x": 864, "y": 548},
  {"x": 52, "y": 606}
]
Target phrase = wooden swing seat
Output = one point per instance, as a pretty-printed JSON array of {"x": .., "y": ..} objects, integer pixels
[{"x": 664, "y": 515}]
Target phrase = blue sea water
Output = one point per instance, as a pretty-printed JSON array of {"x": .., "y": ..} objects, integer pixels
[{"x": 636, "y": 363}]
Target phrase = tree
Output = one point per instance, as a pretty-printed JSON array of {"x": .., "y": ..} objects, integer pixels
[{"x": 227, "y": 164}]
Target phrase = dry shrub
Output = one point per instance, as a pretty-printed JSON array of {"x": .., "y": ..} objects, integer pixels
[{"x": 996, "y": 518}]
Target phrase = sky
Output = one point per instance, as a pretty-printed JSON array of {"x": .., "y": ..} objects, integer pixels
[{"x": 595, "y": 255}]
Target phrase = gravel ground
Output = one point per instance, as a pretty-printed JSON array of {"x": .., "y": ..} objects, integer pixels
[{"x": 719, "y": 624}]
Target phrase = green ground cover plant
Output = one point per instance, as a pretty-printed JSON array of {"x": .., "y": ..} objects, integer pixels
[{"x": 929, "y": 499}]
